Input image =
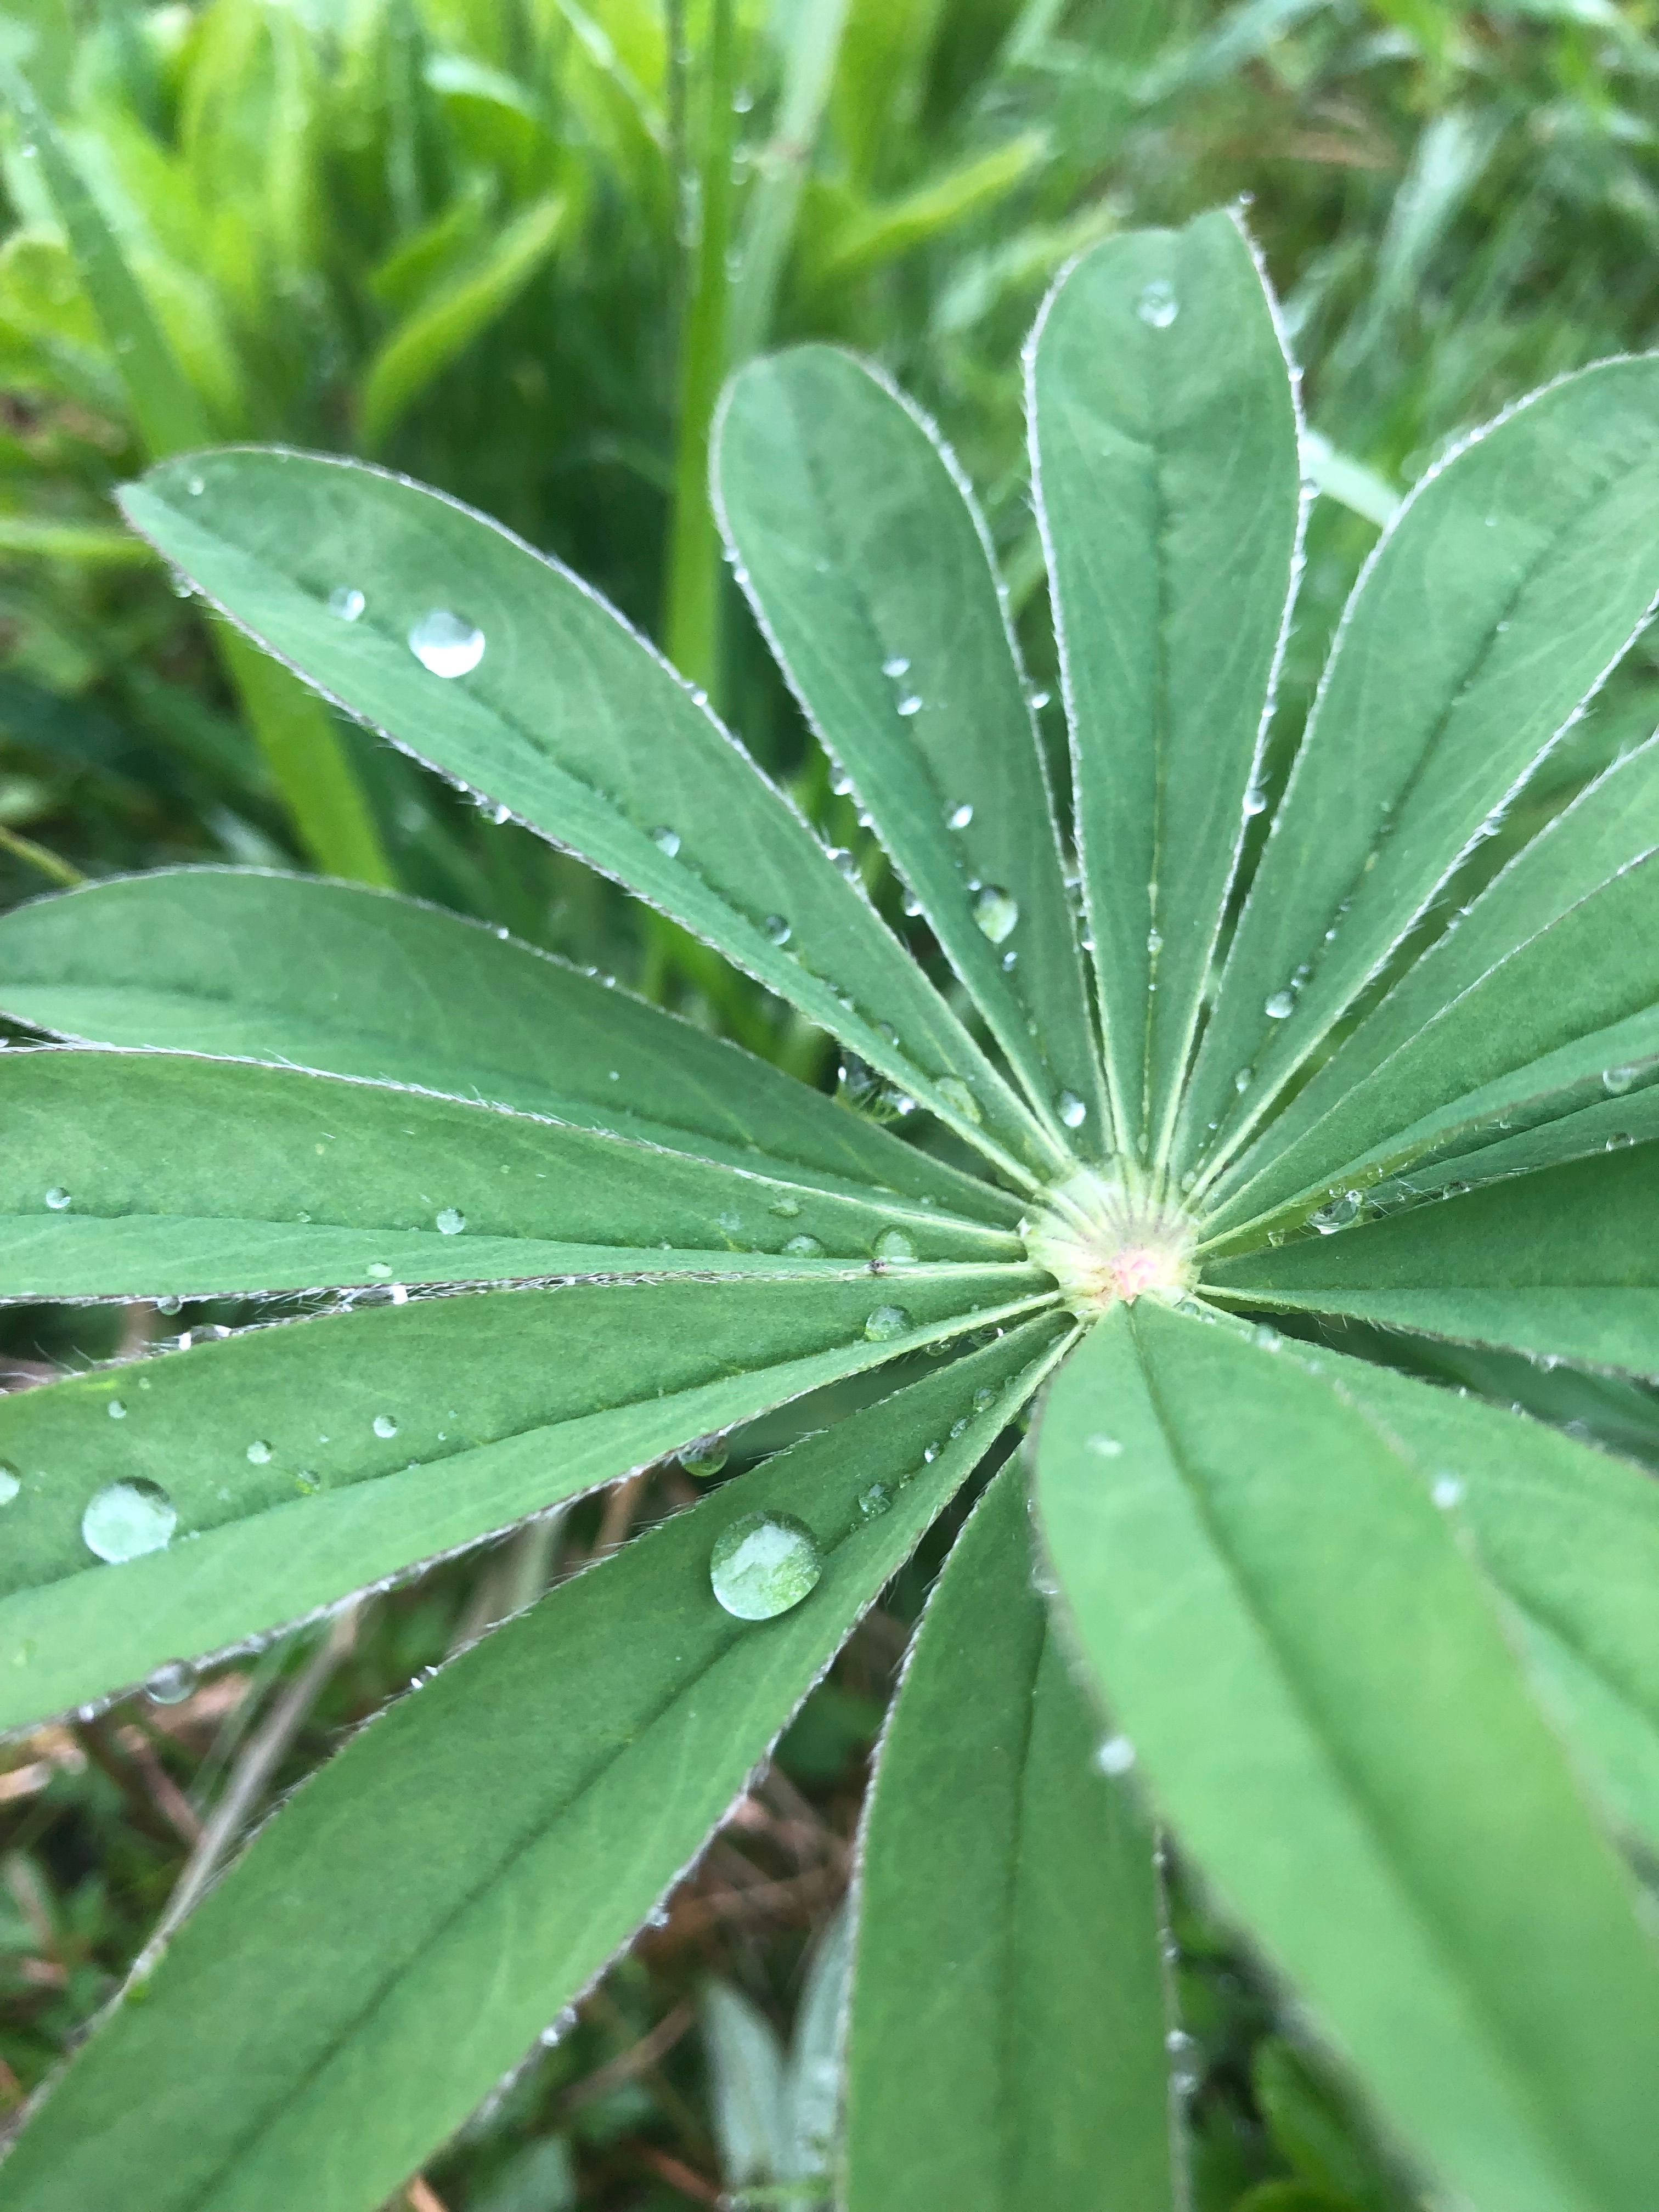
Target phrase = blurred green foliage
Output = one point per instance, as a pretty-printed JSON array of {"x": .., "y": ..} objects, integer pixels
[{"x": 512, "y": 247}]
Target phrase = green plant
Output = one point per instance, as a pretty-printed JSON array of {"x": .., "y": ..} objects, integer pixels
[{"x": 1380, "y": 1656}]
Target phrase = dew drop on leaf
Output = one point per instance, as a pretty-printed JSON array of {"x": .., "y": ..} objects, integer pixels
[
  {"x": 347, "y": 604},
  {"x": 884, "y": 1323},
  {"x": 385, "y": 1425},
  {"x": 665, "y": 840},
  {"x": 1104, "y": 1446},
  {"x": 777, "y": 930},
  {"x": 1255, "y": 800},
  {"x": 172, "y": 1682},
  {"x": 11, "y": 1483},
  {"x": 127, "y": 1519},
  {"x": 1116, "y": 1756},
  {"x": 894, "y": 667},
  {"x": 1071, "y": 1110},
  {"x": 260, "y": 1453},
  {"x": 1266, "y": 1336},
  {"x": 1338, "y": 1212},
  {"x": 451, "y": 1221},
  {"x": 895, "y": 1248},
  {"x": 960, "y": 816},
  {"x": 959, "y": 1098},
  {"x": 706, "y": 1459},
  {"x": 1282, "y": 1004},
  {"x": 1615, "y": 1080},
  {"x": 1448, "y": 1492},
  {"x": 875, "y": 1501},
  {"x": 910, "y": 704},
  {"x": 1157, "y": 306},
  {"x": 1618, "y": 1140},
  {"x": 804, "y": 1247},
  {"x": 169, "y": 1306},
  {"x": 996, "y": 911},
  {"x": 57, "y": 1198},
  {"x": 445, "y": 645},
  {"x": 984, "y": 1399},
  {"x": 764, "y": 1564}
]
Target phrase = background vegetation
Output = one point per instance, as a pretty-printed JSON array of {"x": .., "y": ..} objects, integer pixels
[{"x": 512, "y": 247}]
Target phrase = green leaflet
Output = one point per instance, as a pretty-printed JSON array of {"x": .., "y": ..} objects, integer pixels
[
  {"x": 354, "y": 982},
  {"x": 1008, "y": 1911},
  {"x": 1572, "y": 1538},
  {"x": 1163, "y": 431},
  {"x": 309, "y": 1460},
  {"x": 1512, "y": 579},
  {"x": 1327, "y": 1708},
  {"x": 231, "y": 1177},
  {"x": 1562, "y": 1262},
  {"x": 487, "y": 1844},
  {"x": 1531, "y": 1040},
  {"x": 870, "y": 570},
  {"x": 562, "y": 715},
  {"x": 1610, "y": 825}
]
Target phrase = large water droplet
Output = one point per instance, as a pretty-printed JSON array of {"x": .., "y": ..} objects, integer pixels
[
  {"x": 959, "y": 1098},
  {"x": 451, "y": 1221},
  {"x": 764, "y": 1564},
  {"x": 996, "y": 911},
  {"x": 1071, "y": 1110},
  {"x": 884, "y": 1323},
  {"x": 11, "y": 1483},
  {"x": 347, "y": 604},
  {"x": 1157, "y": 306},
  {"x": 1338, "y": 1212},
  {"x": 1281, "y": 1004},
  {"x": 445, "y": 644},
  {"x": 895, "y": 1248},
  {"x": 57, "y": 1198},
  {"x": 385, "y": 1425},
  {"x": 172, "y": 1682},
  {"x": 127, "y": 1519},
  {"x": 706, "y": 1459}
]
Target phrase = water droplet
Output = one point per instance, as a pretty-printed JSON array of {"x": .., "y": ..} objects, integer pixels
[
  {"x": 896, "y": 667},
  {"x": 385, "y": 1425},
  {"x": 875, "y": 1501},
  {"x": 1104, "y": 1446},
  {"x": 1157, "y": 306},
  {"x": 1039, "y": 700},
  {"x": 764, "y": 1564},
  {"x": 445, "y": 645},
  {"x": 1116, "y": 1756},
  {"x": 1281, "y": 1004},
  {"x": 451, "y": 1221},
  {"x": 959, "y": 817},
  {"x": 894, "y": 1247},
  {"x": 1618, "y": 1140},
  {"x": 1338, "y": 1212},
  {"x": 777, "y": 929},
  {"x": 127, "y": 1519},
  {"x": 996, "y": 912},
  {"x": 57, "y": 1198},
  {"x": 307, "y": 1483},
  {"x": 959, "y": 1098},
  {"x": 260, "y": 1453},
  {"x": 1614, "y": 1080},
  {"x": 379, "y": 1270},
  {"x": 1266, "y": 1336},
  {"x": 984, "y": 1399},
  {"x": 786, "y": 1209},
  {"x": 1241, "y": 1081},
  {"x": 194, "y": 485},
  {"x": 172, "y": 1683},
  {"x": 11, "y": 1483},
  {"x": 1071, "y": 1110},
  {"x": 169, "y": 1306},
  {"x": 706, "y": 1458},
  {"x": 883, "y": 1323},
  {"x": 804, "y": 1247},
  {"x": 1009, "y": 962},
  {"x": 1255, "y": 800},
  {"x": 910, "y": 704},
  {"x": 665, "y": 840},
  {"x": 1448, "y": 1492},
  {"x": 347, "y": 604}
]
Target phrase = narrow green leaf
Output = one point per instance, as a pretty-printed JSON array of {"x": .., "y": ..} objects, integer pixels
[
  {"x": 1008, "y": 1911},
  {"x": 461, "y": 1891},
  {"x": 1324, "y": 1702},
  {"x": 747, "y": 2096},
  {"x": 326, "y": 975},
  {"x": 1562, "y": 1263},
  {"x": 305, "y": 1461},
  {"x": 871, "y": 572},
  {"x": 1514, "y": 577},
  {"x": 1164, "y": 429},
  {"x": 562, "y": 715},
  {"x": 232, "y": 1177}
]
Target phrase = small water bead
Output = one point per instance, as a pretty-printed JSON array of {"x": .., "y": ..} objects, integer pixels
[
  {"x": 665, "y": 840},
  {"x": 1614, "y": 1080},
  {"x": 1242, "y": 1080},
  {"x": 706, "y": 1459},
  {"x": 10, "y": 1482},
  {"x": 57, "y": 1198},
  {"x": 996, "y": 911},
  {"x": 1071, "y": 1110},
  {"x": 764, "y": 1564},
  {"x": 1116, "y": 1756},
  {"x": 380, "y": 1270},
  {"x": 172, "y": 1682},
  {"x": 449, "y": 1221},
  {"x": 1157, "y": 306},
  {"x": 383, "y": 1425},
  {"x": 910, "y": 705},
  {"x": 984, "y": 1399},
  {"x": 445, "y": 645},
  {"x": 1009, "y": 962},
  {"x": 127, "y": 1519},
  {"x": 1104, "y": 1446},
  {"x": 883, "y": 1323},
  {"x": 169, "y": 1306},
  {"x": 345, "y": 604},
  {"x": 875, "y": 1501},
  {"x": 896, "y": 667},
  {"x": 959, "y": 1098},
  {"x": 1446, "y": 1492},
  {"x": 116, "y": 1409},
  {"x": 804, "y": 1247},
  {"x": 776, "y": 929},
  {"x": 960, "y": 816},
  {"x": 1281, "y": 1004},
  {"x": 1266, "y": 1336},
  {"x": 1255, "y": 800},
  {"x": 307, "y": 1483},
  {"x": 786, "y": 1209},
  {"x": 1618, "y": 1140},
  {"x": 260, "y": 1453},
  {"x": 894, "y": 1248}
]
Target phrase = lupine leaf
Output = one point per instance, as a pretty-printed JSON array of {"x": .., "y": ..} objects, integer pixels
[
  {"x": 486, "y": 1844},
  {"x": 1164, "y": 456},
  {"x": 306, "y": 1461},
  {"x": 234, "y": 1178},
  {"x": 1325, "y": 1704},
  {"x": 1514, "y": 576},
  {"x": 870, "y": 570},
  {"x": 563, "y": 715},
  {"x": 327, "y": 976},
  {"x": 1563, "y": 1263},
  {"x": 1008, "y": 1911}
]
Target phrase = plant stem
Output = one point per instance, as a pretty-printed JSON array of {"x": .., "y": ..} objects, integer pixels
[{"x": 25, "y": 848}]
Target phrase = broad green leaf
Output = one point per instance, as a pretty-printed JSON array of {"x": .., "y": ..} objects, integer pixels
[
  {"x": 1008, "y": 1913},
  {"x": 307, "y": 1461},
  {"x": 1562, "y": 1263},
  {"x": 1512, "y": 579},
  {"x": 1571, "y": 1536},
  {"x": 1612, "y": 825},
  {"x": 1539, "y": 1036},
  {"x": 870, "y": 571},
  {"x": 563, "y": 715},
  {"x": 232, "y": 1177},
  {"x": 1164, "y": 429},
  {"x": 353, "y": 982},
  {"x": 1324, "y": 1703},
  {"x": 468, "y": 1864}
]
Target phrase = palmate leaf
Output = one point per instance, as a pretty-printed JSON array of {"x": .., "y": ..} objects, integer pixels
[
  {"x": 302, "y": 1462},
  {"x": 870, "y": 570},
  {"x": 240, "y": 964},
  {"x": 565, "y": 717},
  {"x": 1007, "y": 2037},
  {"x": 468, "y": 1864},
  {"x": 1324, "y": 1703},
  {"x": 355, "y": 1184}
]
